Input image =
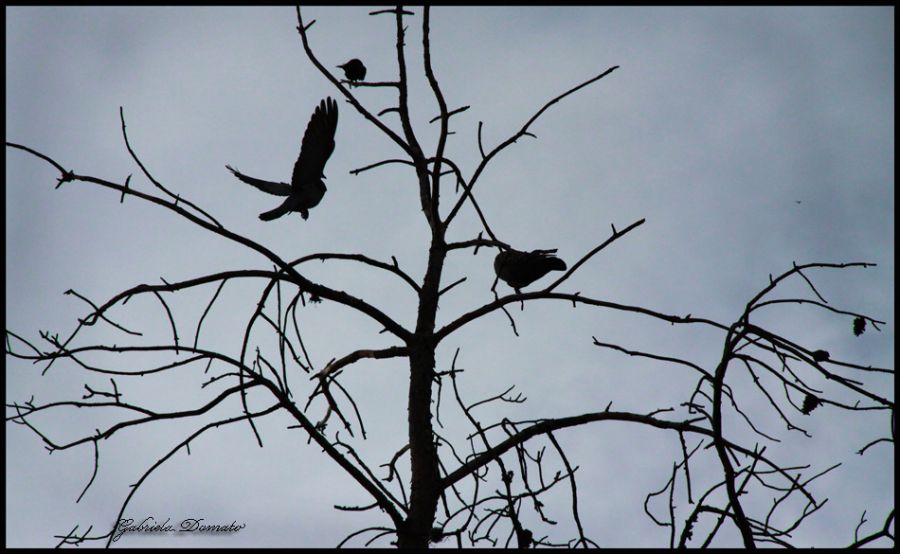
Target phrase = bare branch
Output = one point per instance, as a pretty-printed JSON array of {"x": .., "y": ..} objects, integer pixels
[
  {"x": 176, "y": 197},
  {"x": 350, "y": 98},
  {"x": 353, "y": 357},
  {"x": 542, "y": 295},
  {"x": 615, "y": 236},
  {"x": 362, "y": 259},
  {"x": 397, "y": 10},
  {"x": 522, "y": 132},
  {"x": 450, "y": 113},
  {"x": 305, "y": 284}
]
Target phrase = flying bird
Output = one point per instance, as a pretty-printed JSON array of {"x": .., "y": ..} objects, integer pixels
[
  {"x": 354, "y": 70},
  {"x": 520, "y": 269},
  {"x": 306, "y": 188}
]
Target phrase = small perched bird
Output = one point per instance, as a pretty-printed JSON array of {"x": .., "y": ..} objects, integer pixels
[
  {"x": 520, "y": 269},
  {"x": 810, "y": 403},
  {"x": 859, "y": 325},
  {"x": 821, "y": 355},
  {"x": 354, "y": 70},
  {"x": 306, "y": 188}
]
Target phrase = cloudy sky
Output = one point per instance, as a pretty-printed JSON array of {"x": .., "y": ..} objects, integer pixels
[{"x": 747, "y": 138}]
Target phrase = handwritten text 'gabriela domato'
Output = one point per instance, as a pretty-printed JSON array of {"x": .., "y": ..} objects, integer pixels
[{"x": 189, "y": 525}]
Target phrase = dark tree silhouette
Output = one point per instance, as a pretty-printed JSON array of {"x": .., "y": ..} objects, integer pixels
[{"x": 491, "y": 490}]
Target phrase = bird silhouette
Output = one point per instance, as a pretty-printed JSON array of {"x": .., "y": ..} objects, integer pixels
[
  {"x": 520, "y": 269},
  {"x": 810, "y": 403},
  {"x": 306, "y": 188},
  {"x": 354, "y": 70}
]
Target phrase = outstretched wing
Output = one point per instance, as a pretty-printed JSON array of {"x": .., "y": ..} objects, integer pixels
[
  {"x": 318, "y": 143},
  {"x": 278, "y": 189}
]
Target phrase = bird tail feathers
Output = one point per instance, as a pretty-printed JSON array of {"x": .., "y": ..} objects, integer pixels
[
  {"x": 555, "y": 263},
  {"x": 274, "y": 214}
]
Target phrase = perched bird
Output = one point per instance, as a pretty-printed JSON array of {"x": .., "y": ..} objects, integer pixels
[
  {"x": 821, "y": 355},
  {"x": 520, "y": 269},
  {"x": 859, "y": 325},
  {"x": 306, "y": 188},
  {"x": 354, "y": 70}
]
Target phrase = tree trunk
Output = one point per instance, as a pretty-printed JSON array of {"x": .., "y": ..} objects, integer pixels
[{"x": 423, "y": 451}]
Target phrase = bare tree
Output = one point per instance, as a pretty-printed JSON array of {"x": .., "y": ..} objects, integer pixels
[{"x": 490, "y": 490}]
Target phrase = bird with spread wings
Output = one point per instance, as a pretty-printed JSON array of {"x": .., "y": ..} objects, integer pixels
[{"x": 306, "y": 188}]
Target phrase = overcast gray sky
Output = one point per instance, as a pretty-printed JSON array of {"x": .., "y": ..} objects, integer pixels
[{"x": 749, "y": 138}]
